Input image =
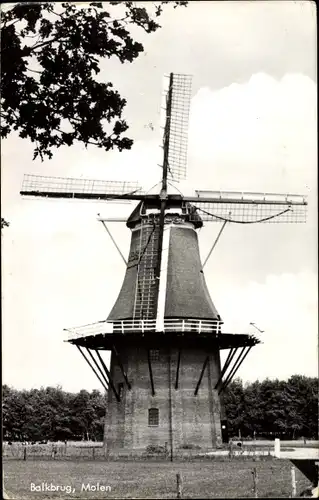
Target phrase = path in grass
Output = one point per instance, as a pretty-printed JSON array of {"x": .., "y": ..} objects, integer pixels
[{"x": 201, "y": 479}]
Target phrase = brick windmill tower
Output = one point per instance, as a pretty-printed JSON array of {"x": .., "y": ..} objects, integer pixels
[{"x": 165, "y": 381}]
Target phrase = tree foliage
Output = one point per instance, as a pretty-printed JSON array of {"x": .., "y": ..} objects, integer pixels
[
  {"x": 52, "y": 414},
  {"x": 4, "y": 223},
  {"x": 288, "y": 409},
  {"x": 272, "y": 407},
  {"x": 50, "y": 59}
]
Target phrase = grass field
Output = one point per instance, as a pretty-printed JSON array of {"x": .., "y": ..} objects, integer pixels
[{"x": 201, "y": 479}]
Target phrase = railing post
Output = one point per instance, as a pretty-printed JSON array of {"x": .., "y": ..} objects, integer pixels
[
  {"x": 183, "y": 325},
  {"x": 200, "y": 326}
]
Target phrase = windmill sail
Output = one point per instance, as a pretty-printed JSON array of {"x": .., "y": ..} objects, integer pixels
[
  {"x": 178, "y": 96},
  {"x": 69, "y": 187},
  {"x": 248, "y": 208}
]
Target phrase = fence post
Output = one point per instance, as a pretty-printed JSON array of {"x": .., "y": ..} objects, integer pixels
[
  {"x": 255, "y": 480},
  {"x": 93, "y": 452},
  {"x": 277, "y": 448},
  {"x": 25, "y": 453},
  {"x": 179, "y": 485},
  {"x": 293, "y": 481}
]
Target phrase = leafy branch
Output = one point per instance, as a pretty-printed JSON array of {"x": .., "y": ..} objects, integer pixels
[{"x": 71, "y": 41}]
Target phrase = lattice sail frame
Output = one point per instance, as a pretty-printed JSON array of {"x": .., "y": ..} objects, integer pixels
[
  {"x": 249, "y": 208},
  {"x": 68, "y": 185},
  {"x": 177, "y": 104}
]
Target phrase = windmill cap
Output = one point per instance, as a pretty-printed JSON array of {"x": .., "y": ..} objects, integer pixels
[{"x": 186, "y": 212}]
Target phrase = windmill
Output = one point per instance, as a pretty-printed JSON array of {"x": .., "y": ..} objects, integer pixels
[{"x": 165, "y": 382}]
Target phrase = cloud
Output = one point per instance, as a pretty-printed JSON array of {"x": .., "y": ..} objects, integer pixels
[
  {"x": 286, "y": 307},
  {"x": 235, "y": 39},
  {"x": 258, "y": 135}
]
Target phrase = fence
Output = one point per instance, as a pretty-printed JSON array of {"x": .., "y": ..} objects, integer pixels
[
  {"x": 52, "y": 451},
  {"x": 94, "y": 451},
  {"x": 252, "y": 474},
  {"x": 204, "y": 479},
  {"x": 249, "y": 450}
]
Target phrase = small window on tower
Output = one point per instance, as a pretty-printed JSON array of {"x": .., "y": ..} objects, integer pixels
[
  {"x": 153, "y": 417},
  {"x": 154, "y": 355}
]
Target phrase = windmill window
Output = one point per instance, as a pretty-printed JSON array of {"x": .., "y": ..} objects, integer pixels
[
  {"x": 153, "y": 417},
  {"x": 154, "y": 355}
]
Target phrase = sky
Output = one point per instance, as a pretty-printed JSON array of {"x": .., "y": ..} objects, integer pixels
[{"x": 253, "y": 127}]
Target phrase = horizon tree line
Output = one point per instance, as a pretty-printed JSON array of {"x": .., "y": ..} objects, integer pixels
[{"x": 266, "y": 409}]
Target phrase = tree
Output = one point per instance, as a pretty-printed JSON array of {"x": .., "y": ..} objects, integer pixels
[
  {"x": 50, "y": 56},
  {"x": 4, "y": 223},
  {"x": 254, "y": 411},
  {"x": 52, "y": 414},
  {"x": 233, "y": 399},
  {"x": 273, "y": 407},
  {"x": 88, "y": 412},
  {"x": 98, "y": 406},
  {"x": 302, "y": 406},
  {"x": 273, "y": 404},
  {"x": 14, "y": 415}
]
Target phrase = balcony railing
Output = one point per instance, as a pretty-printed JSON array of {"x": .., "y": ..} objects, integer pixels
[{"x": 144, "y": 325}]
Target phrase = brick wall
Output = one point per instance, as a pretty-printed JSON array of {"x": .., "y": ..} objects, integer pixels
[{"x": 184, "y": 419}]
